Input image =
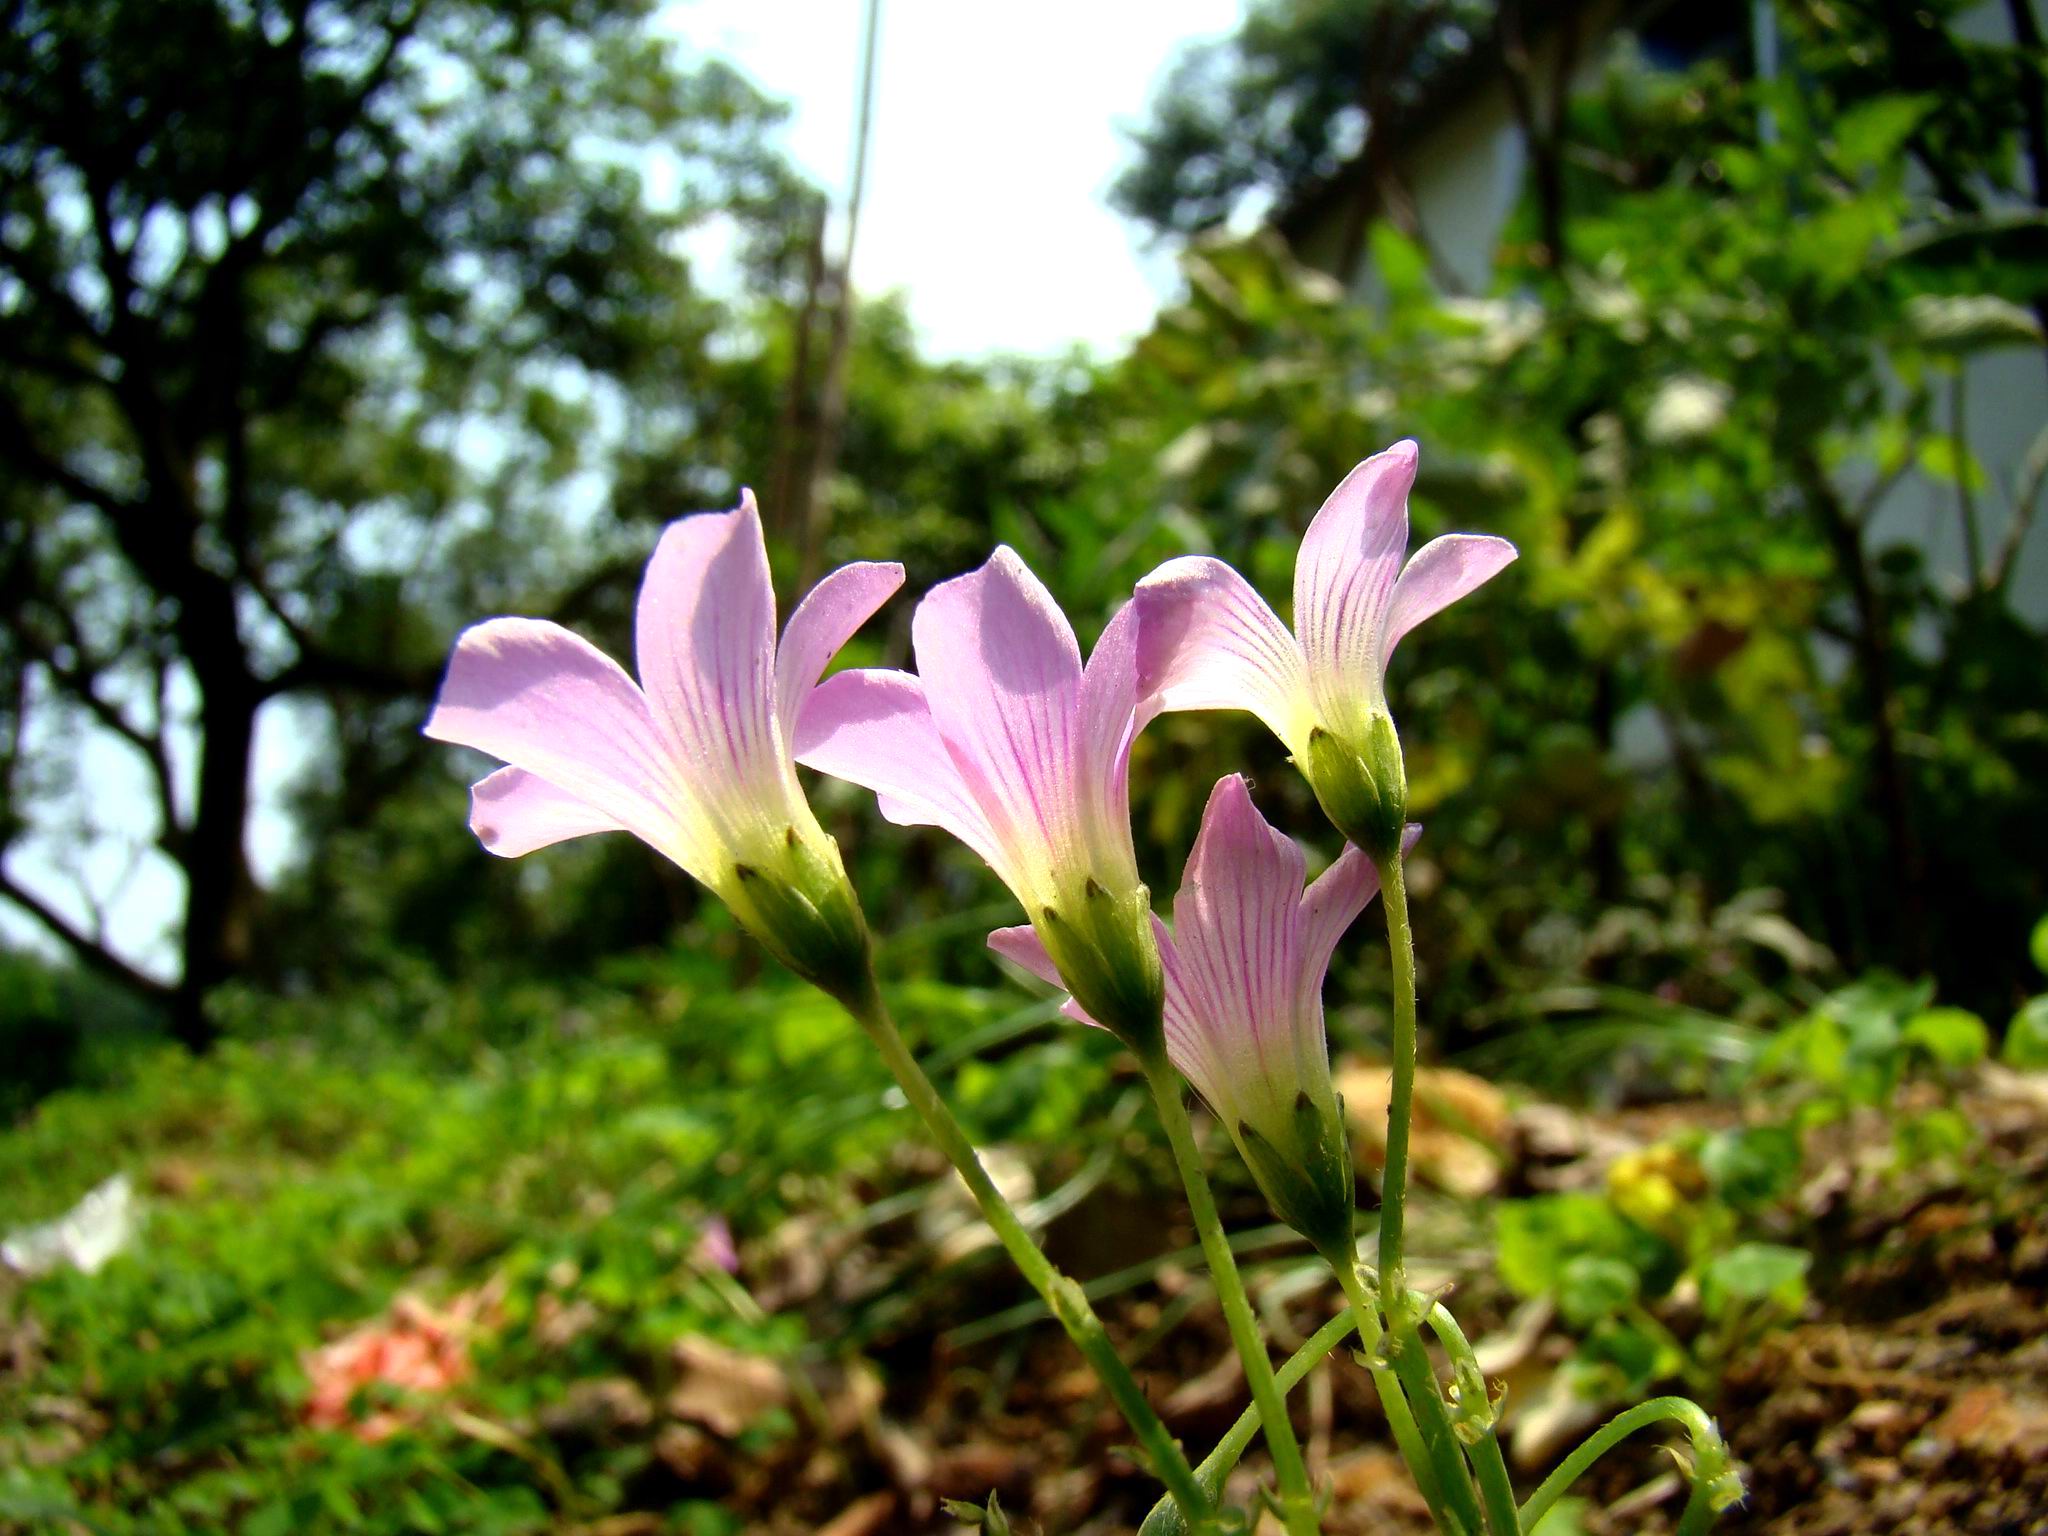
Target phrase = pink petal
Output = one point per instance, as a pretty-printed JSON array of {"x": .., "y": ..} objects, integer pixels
[
  {"x": 1021, "y": 946},
  {"x": 704, "y": 633},
  {"x": 823, "y": 622},
  {"x": 872, "y": 728},
  {"x": 1236, "y": 933},
  {"x": 1442, "y": 571},
  {"x": 1002, "y": 674},
  {"x": 540, "y": 698},
  {"x": 1208, "y": 641},
  {"x": 514, "y": 812},
  {"x": 1109, "y": 724},
  {"x": 1344, "y": 580},
  {"x": 1332, "y": 902}
]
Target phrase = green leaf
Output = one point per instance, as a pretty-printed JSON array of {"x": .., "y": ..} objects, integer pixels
[
  {"x": 1567, "y": 1517},
  {"x": 1955, "y": 1037},
  {"x": 990, "y": 1521},
  {"x": 1942, "y": 458},
  {"x": 1970, "y": 322},
  {"x": 1933, "y": 1134},
  {"x": 2037, "y": 946},
  {"x": 1629, "y": 1356},
  {"x": 1755, "y": 1272},
  {"x": 1755, "y": 1165},
  {"x": 1870, "y": 134},
  {"x": 1592, "y": 1286},
  {"x": 1540, "y": 1239},
  {"x": 2026, "y": 1038},
  {"x": 1400, "y": 263}
]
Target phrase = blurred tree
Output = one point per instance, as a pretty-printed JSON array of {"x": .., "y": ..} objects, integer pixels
[
  {"x": 1303, "y": 91},
  {"x": 1729, "y": 321},
  {"x": 324, "y": 325}
]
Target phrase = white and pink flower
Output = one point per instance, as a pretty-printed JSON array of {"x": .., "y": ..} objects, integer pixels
[
  {"x": 1006, "y": 740},
  {"x": 1244, "y": 963},
  {"x": 695, "y": 758},
  {"x": 1209, "y": 641}
]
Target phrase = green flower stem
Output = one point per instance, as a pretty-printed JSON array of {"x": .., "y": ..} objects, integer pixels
[
  {"x": 1496, "y": 1489},
  {"x": 1165, "y": 1520},
  {"x": 1408, "y": 1440},
  {"x": 1410, "y": 1361},
  {"x": 1712, "y": 1470},
  {"x": 1405, "y": 1350},
  {"x": 1699, "y": 1511},
  {"x": 1297, "y": 1504},
  {"x": 1400, "y": 1420},
  {"x": 1401, "y": 1097},
  {"x": 1061, "y": 1294}
]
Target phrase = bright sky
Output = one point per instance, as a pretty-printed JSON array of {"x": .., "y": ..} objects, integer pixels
[{"x": 996, "y": 135}]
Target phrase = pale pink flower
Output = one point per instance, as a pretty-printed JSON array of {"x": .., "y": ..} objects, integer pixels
[
  {"x": 694, "y": 759},
  {"x": 1005, "y": 740},
  {"x": 1209, "y": 641},
  {"x": 1244, "y": 964}
]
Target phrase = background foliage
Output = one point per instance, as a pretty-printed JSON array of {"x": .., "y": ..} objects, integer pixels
[{"x": 327, "y": 328}]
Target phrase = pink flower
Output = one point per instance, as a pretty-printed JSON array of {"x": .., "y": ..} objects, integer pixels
[
  {"x": 1244, "y": 965},
  {"x": 1208, "y": 641},
  {"x": 1006, "y": 740},
  {"x": 416, "y": 1352},
  {"x": 695, "y": 759}
]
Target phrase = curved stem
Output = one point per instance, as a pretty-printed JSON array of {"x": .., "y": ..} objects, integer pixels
[
  {"x": 1496, "y": 1489},
  {"x": 1710, "y": 1453},
  {"x": 1061, "y": 1294},
  {"x": 1401, "y": 1096},
  {"x": 1290, "y": 1473},
  {"x": 1165, "y": 1520}
]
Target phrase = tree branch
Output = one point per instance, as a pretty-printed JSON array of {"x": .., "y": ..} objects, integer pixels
[
  {"x": 91, "y": 954},
  {"x": 78, "y": 683}
]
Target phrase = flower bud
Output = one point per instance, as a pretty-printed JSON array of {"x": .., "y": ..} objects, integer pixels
[{"x": 1363, "y": 787}]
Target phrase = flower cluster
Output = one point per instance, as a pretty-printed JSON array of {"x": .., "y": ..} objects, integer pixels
[{"x": 1005, "y": 738}]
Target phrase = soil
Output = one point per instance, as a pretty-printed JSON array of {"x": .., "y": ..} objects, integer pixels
[{"x": 1911, "y": 1396}]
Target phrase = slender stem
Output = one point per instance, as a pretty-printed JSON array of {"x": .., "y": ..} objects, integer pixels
[
  {"x": 1364, "y": 1304},
  {"x": 1699, "y": 1510},
  {"x": 1401, "y": 1098},
  {"x": 1400, "y": 1419},
  {"x": 1165, "y": 1520},
  {"x": 1410, "y": 1361},
  {"x": 1060, "y": 1293},
  {"x": 1496, "y": 1488},
  {"x": 1297, "y": 1505},
  {"x": 1710, "y": 1454},
  {"x": 1408, "y": 1440}
]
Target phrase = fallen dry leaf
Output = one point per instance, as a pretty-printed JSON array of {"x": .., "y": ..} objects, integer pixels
[
  {"x": 863, "y": 1517},
  {"x": 724, "y": 1389},
  {"x": 1461, "y": 1127}
]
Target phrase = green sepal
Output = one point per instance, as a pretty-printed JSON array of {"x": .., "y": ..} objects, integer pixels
[
  {"x": 1309, "y": 1182},
  {"x": 1107, "y": 954},
  {"x": 1362, "y": 787},
  {"x": 797, "y": 901}
]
